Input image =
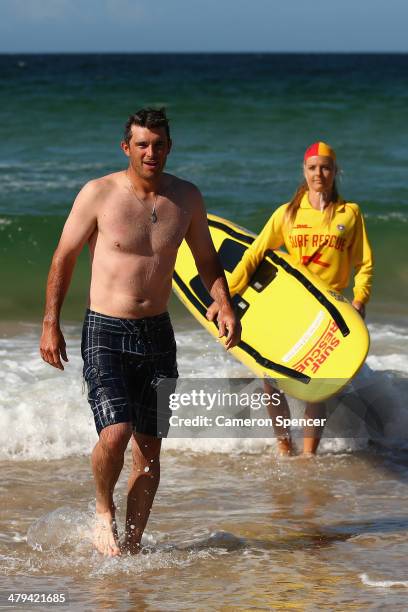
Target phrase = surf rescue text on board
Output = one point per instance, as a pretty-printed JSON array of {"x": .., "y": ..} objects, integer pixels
[{"x": 321, "y": 351}]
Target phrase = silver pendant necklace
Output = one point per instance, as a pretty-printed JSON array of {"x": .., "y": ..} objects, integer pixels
[{"x": 153, "y": 214}]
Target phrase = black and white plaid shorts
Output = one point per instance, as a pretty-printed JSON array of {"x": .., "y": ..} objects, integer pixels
[{"x": 130, "y": 369}]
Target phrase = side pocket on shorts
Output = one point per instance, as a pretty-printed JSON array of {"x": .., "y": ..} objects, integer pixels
[
  {"x": 91, "y": 378},
  {"x": 165, "y": 371}
]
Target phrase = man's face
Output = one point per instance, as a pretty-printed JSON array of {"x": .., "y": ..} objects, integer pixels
[{"x": 147, "y": 150}]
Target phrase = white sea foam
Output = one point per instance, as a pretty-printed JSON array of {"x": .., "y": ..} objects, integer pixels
[
  {"x": 387, "y": 332},
  {"x": 44, "y": 415},
  {"x": 396, "y": 362},
  {"x": 13, "y": 184},
  {"x": 401, "y": 217},
  {"x": 385, "y": 584},
  {"x": 388, "y": 347},
  {"x": 54, "y": 536}
]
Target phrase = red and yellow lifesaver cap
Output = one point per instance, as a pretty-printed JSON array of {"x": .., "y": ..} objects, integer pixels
[{"x": 320, "y": 148}]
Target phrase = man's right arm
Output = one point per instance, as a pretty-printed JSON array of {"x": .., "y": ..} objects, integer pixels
[{"x": 79, "y": 226}]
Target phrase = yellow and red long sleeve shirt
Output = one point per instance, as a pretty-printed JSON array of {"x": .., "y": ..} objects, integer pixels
[{"x": 331, "y": 252}]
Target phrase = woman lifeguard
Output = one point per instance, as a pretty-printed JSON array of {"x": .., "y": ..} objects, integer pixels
[{"x": 322, "y": 231}]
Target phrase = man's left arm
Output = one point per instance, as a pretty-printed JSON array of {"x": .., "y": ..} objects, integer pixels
[{"x": 209, "y": 267}]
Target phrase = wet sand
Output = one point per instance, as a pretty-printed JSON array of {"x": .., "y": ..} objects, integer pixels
[{"x": 226, "y": 533}]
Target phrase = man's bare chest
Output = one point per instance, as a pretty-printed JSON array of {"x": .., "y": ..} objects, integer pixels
[{"x": 129, "y": 227}]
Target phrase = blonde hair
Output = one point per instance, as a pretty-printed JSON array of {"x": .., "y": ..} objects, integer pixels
[{"x": 293, "y": 206}]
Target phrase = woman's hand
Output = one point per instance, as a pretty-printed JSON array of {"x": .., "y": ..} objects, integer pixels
[{"x": 360, "y": 307}]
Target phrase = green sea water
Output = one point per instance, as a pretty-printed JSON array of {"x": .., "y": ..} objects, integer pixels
[
  {"x": 30, "y": 242},
  {"x": 240, "y": 124}
]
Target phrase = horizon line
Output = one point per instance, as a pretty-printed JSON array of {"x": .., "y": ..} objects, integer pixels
[{"x": 368, "y": 52}]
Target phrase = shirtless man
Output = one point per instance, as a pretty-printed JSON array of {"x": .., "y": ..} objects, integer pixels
[{"x": 133, "y": 221}]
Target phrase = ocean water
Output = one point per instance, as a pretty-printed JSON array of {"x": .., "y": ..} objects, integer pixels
[
  {"x": 240, "y": 125},
  {"x": 233, "y": 526}
]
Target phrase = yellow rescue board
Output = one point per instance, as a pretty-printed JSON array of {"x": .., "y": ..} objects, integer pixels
[{"x": 295, "y": 329}]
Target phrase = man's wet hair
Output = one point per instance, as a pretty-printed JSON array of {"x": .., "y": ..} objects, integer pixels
[{"x": 149, "y": 118}]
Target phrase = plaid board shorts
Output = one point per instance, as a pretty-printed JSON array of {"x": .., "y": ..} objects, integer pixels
[{"x": 130, "y": 369}]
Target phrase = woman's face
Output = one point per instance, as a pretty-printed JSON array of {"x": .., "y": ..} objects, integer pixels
[{"x": 320, "y": 172}]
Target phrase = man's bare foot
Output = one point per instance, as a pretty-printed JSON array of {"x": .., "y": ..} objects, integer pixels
[
  {"x": 105, "y": 534},
  {"x": 131, "y": 544},
  {"x": 285, "y": 448},
  {"x": 131, "y": 548}
]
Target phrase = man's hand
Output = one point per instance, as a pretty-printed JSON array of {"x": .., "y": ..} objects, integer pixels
[
  {"x": 229, "y": 324},
  {"x": 52, "y": 346},
  {"x": 212, "y": 312},
  {"x": 360, "y": 307}
]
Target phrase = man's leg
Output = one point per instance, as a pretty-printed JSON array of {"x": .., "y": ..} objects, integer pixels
[
  {"x": 142, "y": 486},
  {"x": 313, "y": 434},
  {"x": 284, "y": 441},
  {"x": 107, "y": 463}
]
